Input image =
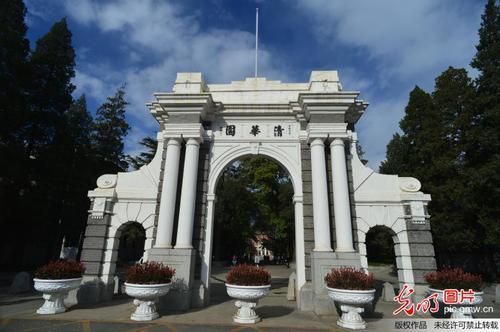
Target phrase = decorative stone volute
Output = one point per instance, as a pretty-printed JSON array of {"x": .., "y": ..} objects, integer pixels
[
  {"x": 107, "y": 181},
  {"x": 409, "y": 184}
]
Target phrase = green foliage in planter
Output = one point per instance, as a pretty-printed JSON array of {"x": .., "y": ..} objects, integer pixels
[
  {"x": 248, "y": 275},
  {"x": 150, "y": 273},
  {"x": 454, "y": 279},
  {"x": 349, "y": 278},
  {"x": 60, "y": 270}
]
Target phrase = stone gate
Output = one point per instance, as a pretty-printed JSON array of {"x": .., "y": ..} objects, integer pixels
[{"x": 308, "y": 128}]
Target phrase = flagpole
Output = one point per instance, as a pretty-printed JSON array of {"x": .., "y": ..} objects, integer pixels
[{"x": 256, "y": 38}]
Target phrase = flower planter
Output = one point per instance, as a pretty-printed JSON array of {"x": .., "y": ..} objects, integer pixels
[
  {"x": 145, "y": 298},
  {"x": 352, "y": 303},
  {"x": 54, "y": 292},
  {"x": 463, "y": 310},
  {"x": 247, "y": 298}
]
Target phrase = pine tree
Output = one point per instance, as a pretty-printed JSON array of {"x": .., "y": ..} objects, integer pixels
[
  {"x": 455, "y": 229},
  {"x": 144, "y": 158},
  {"x": 14, "y": 98},
  {"x": 49, "y": 144},
  {"x": 54, "y": 65},
  {"x": 411, "y": 153},
  {"x": 483, "y": 148},
  {"x": 396, "y": 161},
  {"x": 109, "y": 131},
  {"x": 486, "y": 60},
  {"x": 81, "y": 173},
  {"x": 14, "y": 70}
]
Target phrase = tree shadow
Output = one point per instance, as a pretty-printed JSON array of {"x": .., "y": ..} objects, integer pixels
[
  {"x": 270, "y": 311},
  {"x": 117, "y": 300},
  {"x": 218, "y": 293}
]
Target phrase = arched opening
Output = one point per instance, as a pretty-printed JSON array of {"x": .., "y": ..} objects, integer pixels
[
  {"x": 131, "y": 245},
  {"x": 253, "y": 222},
  {"x": 380, "y": 252}
]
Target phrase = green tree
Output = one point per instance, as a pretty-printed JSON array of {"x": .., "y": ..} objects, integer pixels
[
  {"x": 254, "y": 197},
  {"x": 482, "y": 149},
  {"x": 144, "y": 157},
  {"x": 396, "y": 161},
  {"x": 110, "y": 130},
  {"x": 455, "y": 229},
  {"x": 234, "y": 214},
  {"x": 14, "y": 71},
  {"x": 53, "y": 63},
  {"x": 81, "y": 174},
  {"x": 272, "y": 190},
  {"x": 410, "y": 153},
  {"x": 47, "y": 137},
  {"x": 15, "y": 76}
]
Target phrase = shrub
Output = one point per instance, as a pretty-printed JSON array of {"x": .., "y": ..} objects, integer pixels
[
  {"x": 349, "y": 278},
  {"x": 454, "y": 279},
  {"x": 248, "y": 275},
  {"x": 60, "y": 270},
  {"x": 150, "y": 273}
]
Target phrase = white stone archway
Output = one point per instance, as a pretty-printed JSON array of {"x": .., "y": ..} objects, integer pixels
[{"x": 309, "y": 128}]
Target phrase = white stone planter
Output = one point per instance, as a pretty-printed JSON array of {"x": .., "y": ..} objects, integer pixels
[
  {"x": 145, "y": 298},
  {"x": 352, "y": 303},
  {"x": 462, "y": 310},
  {"x": 247, "y": 298},
  {"x": 54, "y": 292}
]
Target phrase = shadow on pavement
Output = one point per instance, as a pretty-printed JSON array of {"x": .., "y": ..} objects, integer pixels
[{"x": 268, "y": 311}]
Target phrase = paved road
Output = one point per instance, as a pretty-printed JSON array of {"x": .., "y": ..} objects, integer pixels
[{"x": 53, "y": 325}]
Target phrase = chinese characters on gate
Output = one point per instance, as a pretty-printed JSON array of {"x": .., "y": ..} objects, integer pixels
[{"x": 278, "y": 130}]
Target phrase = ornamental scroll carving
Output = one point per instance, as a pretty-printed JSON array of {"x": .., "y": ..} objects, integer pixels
[
  {"x": 409, "y": 184},
  {"x": 107, "y": 181}
]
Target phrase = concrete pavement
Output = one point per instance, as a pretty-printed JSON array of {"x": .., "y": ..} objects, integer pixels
[{"x": 17, "y": 313}]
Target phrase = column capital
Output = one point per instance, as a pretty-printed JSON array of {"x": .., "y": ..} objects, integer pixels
[
  {"x": 184, "y": 131},
  {"x": 173, "y": 141},
  {"x": 193, "y": 141},
  {"x": 317, "y": 141},
  {"x": 340, "y": 141}
]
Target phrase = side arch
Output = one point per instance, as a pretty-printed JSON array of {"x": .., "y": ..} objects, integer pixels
[{"x": 397, "y": 228}]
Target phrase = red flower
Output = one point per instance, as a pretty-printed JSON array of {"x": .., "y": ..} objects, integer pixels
[
  {"x": 248, "y": 275},
  {"x": 456, "y": 278},
  {"x": 150, "y": 273},
  {"x": 349, "y": 278},
  {"x": 60, "y": 270}
]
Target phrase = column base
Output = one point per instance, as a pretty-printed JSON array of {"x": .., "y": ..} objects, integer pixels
[
  {"x": 182, "y": 260},
  {"x": 162, "y": 247},
  {"x": 321, "y": 264},
  {"x": 187, "y": 246}
]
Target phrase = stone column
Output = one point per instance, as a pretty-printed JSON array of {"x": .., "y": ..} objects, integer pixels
[
  {"x": 320, "y": 197},
  {"x": 341, "y": 205},
  {"x": 188, "y": 195},
  {"x": 298, "y": 203},
  {"x": 207, "y": 251},
  {"x": 168, "y": 195}
]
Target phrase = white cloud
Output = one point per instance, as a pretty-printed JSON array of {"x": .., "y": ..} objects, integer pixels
[
  {"x": 405, "y": 38},
  {"x": 171, "y": 41},
  {"x": 407, "y": 42}
]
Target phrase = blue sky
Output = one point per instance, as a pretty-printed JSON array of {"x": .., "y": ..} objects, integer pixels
[{"x": 382, "y": 48}]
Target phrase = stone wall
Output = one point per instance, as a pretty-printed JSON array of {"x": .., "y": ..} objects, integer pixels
[
  {"x": 201, "y": 207},
  {"x": 308, "y": 207}
]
